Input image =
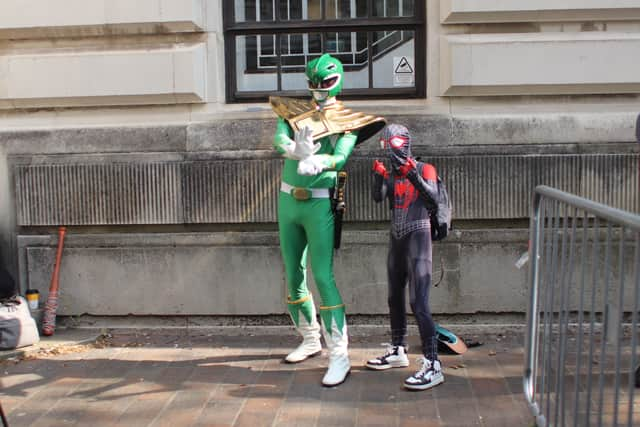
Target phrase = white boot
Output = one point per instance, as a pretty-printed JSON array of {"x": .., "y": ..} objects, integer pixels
[
  {"x": 311, "y": 345},
  {"x": 339, "y": 364}
]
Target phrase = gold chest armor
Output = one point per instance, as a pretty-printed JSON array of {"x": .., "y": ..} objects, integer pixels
[{"x": 333, "y": 119}]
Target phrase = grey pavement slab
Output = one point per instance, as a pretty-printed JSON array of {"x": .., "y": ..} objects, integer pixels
[{"x": 213, "y": 377}]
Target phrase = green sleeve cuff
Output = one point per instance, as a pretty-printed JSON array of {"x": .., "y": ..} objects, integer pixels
[{"x": 282, "y": 135}]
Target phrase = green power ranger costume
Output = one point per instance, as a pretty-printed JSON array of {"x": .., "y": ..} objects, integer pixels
[{"x": 316, "y": 138}]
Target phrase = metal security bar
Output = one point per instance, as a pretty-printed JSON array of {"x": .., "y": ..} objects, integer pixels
[{"x": 582, "y": 319}]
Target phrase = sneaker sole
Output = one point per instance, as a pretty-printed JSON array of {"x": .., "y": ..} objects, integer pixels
[
  {"x": 385, "y": 367},
  {"x": 422, "y": 387},
  {"x": 317, "y": 353}
]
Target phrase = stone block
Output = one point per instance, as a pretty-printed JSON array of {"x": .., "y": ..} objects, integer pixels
[
  {"x": 94, "y": 140},
  {"x": 232, "y": 135},
  {"x": 161, "y": 276},
  {"x": 539, "y": 64},
  {"x": 493, "y": 11},
  {"x": 155, "y": 76},
  {"x": 73, "y": 18},
  {"x": 543, "y": 128}
]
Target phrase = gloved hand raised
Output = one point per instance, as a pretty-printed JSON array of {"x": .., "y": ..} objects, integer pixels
[
  {"x": 379, "y": 169},
  {"x": 403, "y": 169},
  {"x": 302, "y": 145}
]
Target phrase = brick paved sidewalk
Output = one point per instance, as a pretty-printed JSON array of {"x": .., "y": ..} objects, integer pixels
[{"x": 203, "y": 378}]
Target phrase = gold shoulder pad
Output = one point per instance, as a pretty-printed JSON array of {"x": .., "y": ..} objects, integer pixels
[
  {"x": 333, "y": 119},
  {"x": 289, "y": 108}
]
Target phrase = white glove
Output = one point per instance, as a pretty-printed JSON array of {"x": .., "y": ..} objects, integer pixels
[
  {"x": 289, "y": 149},
  {"x": 304, "y": 146},
  {"x": 312, "y": 165}
]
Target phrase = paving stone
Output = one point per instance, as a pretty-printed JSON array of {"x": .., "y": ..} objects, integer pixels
[{"x": 183, "y": 410}]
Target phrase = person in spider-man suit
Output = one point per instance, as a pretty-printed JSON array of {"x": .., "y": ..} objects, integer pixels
[{"x": 412, "y": 192}]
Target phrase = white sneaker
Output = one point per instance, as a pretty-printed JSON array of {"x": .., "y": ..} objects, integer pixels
[
  {"x": 429, "y": 375},
  {"x": 394, "y": 357}
]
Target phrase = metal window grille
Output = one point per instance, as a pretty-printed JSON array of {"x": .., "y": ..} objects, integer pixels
[
  {"x": 582, "y": 328},
  {"x": 268, "y": 41}
]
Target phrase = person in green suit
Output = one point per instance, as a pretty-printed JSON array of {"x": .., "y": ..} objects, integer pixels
[{"x": 316, "y": 139}]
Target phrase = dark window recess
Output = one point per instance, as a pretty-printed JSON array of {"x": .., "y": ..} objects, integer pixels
[
  {"x": 268, "y": 43},
  {"x": 266, "y": 11},
  {"x": 266, "y": 46}
]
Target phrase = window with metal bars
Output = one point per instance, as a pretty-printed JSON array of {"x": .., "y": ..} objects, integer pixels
[{"x": 381, "y": 43}]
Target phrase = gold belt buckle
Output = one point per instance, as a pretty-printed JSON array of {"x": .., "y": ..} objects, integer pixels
[{"x": 301, "y": 193}]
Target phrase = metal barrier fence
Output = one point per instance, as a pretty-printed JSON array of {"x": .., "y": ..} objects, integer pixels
[{"x": 582, "y": 319}]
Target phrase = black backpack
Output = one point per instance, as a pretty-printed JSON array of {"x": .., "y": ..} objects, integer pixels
[{"x": 441, "y": 216}]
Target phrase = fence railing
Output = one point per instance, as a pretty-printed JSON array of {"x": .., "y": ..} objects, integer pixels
[{"x": 582, "y": 319}]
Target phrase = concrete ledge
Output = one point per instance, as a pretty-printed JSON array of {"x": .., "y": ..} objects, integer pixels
[
  {"x": 241, "y": 273},
  {"x": 162, "y": 76},
  {"x": 539, "y": 64},
  {"x": 437, "y": 134},
  {"x": 126, "y": 140},
  {"x": 227, "y": 273},
  {"x": 83, "y": 18},
  {"x": 218, "y": 273},
  {"x": 274, "y": 324},
  {"x": 494, "y": 11}
]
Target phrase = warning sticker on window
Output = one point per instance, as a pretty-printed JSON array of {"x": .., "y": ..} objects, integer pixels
[{"x": 403, "y": 71}]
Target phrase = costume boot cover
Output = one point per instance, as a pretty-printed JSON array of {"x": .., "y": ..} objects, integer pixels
[
  {"x": 335, "y": 334},
  {"x": 307, "y": 326}
]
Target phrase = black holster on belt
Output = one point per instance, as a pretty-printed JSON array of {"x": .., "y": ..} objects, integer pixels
[{"x": 338, "y": 205}]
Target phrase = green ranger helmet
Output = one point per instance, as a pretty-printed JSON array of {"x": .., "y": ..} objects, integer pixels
[{"x": 324, "y": 75}]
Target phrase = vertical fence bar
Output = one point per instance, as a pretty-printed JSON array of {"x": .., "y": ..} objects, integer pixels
[
  {"x": 559, "y": 407},
  {"x": 531, "y": 361},
  {"x": 592, "y": 311},
  {"x": 576, "y": 404},
  {"x": 606, "y": 318},
  {"x": 564, "y": 325},
  {"x": 634, "y": 330},
  {"x": 549, "y": 313},
  {"x": 619, "y": 332}
]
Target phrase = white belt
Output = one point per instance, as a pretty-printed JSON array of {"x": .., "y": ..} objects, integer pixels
[{"x": 300, "y": 193}]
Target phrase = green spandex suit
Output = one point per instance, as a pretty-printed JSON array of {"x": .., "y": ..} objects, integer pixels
[
  {"x": 305, "y": 215},
  {"x": 307, "y": 227},
  {"x": 325, "y": 135}
]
